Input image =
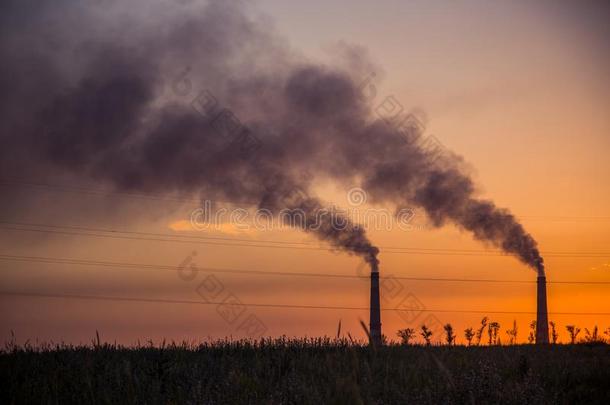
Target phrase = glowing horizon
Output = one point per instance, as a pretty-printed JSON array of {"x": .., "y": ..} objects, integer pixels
[{"x": 519, "y": 91}]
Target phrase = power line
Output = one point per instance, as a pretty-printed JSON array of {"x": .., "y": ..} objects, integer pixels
[
  {"x": 142, "y": 266},
  {"x": 159, "y": 239},
  {"x": 266, "y": 305},
  {"x": 254, "y": 244},
  {"x": 158, "y": 197},
  {"x": 199, "y": 237},
  {"x": 115, "y": 234},
  {"x": 195, "y": 237}
]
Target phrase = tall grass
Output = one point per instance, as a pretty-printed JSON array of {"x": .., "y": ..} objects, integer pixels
[{"x": 308, "y": 370}]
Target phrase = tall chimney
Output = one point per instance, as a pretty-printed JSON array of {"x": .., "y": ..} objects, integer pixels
[
  {"x": 375, "y": 318},
  {"x": 542, "y": 317}
]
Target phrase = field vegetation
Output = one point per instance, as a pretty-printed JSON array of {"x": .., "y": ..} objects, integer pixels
[{"x": 309, "y": 371}]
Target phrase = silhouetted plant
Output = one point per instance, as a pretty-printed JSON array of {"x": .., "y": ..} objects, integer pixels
[
  {"x": 469, "y": 334},
  {"x": 480, "y": 330},
  {"x": 449, "y": 335},
  {"x": 573, "y": 331},
  {"x": 406, "y": 335},
  {"x": 426, "y": 334},
  {"x": 593, "y": 337},
  {"x": 512, "y": 333},
  {"x": 11, "y": 344},
  {"x": 554, "y": 334},
  {"x": 492, "y": 331},
  {"x": 531, "y": 338}
]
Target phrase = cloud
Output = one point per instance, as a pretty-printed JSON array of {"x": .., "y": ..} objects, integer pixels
[{"x": 115, "y": 104}]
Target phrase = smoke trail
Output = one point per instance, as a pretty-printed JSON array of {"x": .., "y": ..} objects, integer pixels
[
  {"x": 104, "y": 105},
  {"x": 308, "y": 214}
]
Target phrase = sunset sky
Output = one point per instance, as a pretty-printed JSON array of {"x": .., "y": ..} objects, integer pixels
[{"x": 521, "y": 91}]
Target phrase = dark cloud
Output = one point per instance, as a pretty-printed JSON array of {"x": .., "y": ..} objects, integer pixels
[{"x": 112, "y": 101}]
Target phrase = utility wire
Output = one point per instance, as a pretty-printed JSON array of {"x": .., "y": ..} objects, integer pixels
[
  {"x": 195, "y": 237},
  {"x": 142, "y": 266},
  {"x": 266, "y": 305},
  {"x": 205, "y": 238},
  {"x": 116, "y": 234}
]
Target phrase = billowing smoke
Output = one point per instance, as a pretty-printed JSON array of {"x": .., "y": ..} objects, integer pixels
[{"x": 180, "y": 97}]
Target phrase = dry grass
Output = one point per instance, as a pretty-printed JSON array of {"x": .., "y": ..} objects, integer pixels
[{"x": 310, "y": 371}]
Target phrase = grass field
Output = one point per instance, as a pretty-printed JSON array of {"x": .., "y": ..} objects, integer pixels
[{"x": 309, "y": 371}]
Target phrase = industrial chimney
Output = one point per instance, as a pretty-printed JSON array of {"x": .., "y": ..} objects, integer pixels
[
  {"x": 542, "y": 317},
  {"x": 375, "y": 316}
]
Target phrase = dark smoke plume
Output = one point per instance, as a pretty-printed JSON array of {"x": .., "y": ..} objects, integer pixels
[{"x": 105, "y": 91}]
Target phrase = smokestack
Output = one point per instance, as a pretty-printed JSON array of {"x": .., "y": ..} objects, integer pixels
[
  {"x": 542, "y": 317},
  {"x": 375, "y": 315},
  {"x": 312, "y": 118}
]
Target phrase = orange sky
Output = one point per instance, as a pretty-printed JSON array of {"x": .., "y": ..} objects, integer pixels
[{"x": 520, "y": 91}]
